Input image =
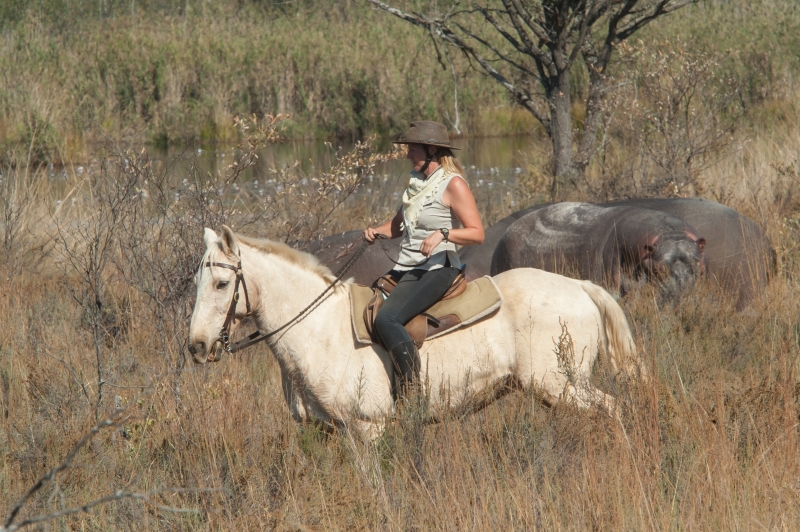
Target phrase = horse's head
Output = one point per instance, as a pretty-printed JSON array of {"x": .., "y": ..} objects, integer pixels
[{"x": 217, "y": 286}]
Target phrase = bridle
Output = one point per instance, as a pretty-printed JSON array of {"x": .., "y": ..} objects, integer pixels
[{"x": 224, "y": 334}]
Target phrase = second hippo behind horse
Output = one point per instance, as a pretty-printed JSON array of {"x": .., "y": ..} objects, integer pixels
[{"x": 617, "y": 247}]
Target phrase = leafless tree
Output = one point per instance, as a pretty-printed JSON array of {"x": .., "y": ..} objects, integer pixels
[
  {"x": 84, "y": 246},
  {"x": 531, "y": 48}
]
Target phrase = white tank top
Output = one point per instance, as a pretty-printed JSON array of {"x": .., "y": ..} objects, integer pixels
[{"x": 434, "y": 215}]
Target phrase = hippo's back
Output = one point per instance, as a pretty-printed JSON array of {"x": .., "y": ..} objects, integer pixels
[
  {"x": 374, "y": 262},
  {"x": 617, "y": 246},
  {"x": 738, "y": 252},
  {"x": 478, "y": 259},
  {"x": 566, "y": 238}
]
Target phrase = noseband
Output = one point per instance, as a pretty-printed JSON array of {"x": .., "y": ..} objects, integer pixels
[{"x": 224, "y": 333}]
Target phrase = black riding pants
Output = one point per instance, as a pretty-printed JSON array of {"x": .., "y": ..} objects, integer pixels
[{"x": 416, "y": 292}]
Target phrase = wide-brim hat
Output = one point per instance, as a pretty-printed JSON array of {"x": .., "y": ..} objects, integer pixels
[{"x": 426, "y": 132}]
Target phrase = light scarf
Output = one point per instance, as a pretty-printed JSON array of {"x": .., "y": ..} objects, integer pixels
[{"x": 418, "y": 192}]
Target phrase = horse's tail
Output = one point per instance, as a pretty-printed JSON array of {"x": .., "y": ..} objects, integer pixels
[{"x": 620, "y": 347}]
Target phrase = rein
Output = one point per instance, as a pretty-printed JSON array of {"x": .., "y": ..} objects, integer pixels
[
  {"x": 384, "y": 237},
  {"x": 380, "y": 236},
  {"x": 258, "y": 336}
]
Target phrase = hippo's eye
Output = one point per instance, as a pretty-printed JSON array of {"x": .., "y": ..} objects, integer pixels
[{"x": 222, "y": 285}]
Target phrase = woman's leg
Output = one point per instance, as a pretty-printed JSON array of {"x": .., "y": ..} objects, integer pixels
[{"x": 416, "y": 292}]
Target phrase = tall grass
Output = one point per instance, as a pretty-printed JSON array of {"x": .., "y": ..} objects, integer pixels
[
  {"x": 710, "y": 443},
  {"x": 176, "y": 72},
  {"x": 341, "y": 71}
]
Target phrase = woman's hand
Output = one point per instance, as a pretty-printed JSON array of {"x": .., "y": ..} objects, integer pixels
[
  {"x": 390, "y": 229},
  {"x": 370, "y": 234},
  {"x": 430, "y": 243}
]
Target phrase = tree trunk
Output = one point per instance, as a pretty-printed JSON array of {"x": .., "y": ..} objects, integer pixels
[{"x": 564, "y": 169}]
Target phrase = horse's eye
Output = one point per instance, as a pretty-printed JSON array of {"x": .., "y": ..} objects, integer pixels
[{"x": 222, "y": 285}]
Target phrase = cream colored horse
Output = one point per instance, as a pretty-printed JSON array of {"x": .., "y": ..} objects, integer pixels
[{"x": 548, "y": 333}]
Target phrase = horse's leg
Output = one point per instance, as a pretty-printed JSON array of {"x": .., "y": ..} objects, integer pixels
[
  {"x": 293, "y": 400},
  {"x": 557, "y": 387},
  {"x": 587, "y": 396},
  {"x": 368, "y": 430}
]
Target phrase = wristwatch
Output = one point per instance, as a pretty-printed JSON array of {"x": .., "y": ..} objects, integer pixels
[{"x": 446, "y": 233}]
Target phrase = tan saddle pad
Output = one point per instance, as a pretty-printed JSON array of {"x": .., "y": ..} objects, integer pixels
[{"x": 481, "y": 298}]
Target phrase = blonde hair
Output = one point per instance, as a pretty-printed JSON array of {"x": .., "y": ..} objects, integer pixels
[{"x": 449, "y": 162}]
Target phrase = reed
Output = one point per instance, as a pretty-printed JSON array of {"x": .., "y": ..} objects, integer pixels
[{"x": 166, "y": 72}]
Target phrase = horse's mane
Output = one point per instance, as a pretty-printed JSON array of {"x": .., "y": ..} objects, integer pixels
[{"x": 305, "y": 260}]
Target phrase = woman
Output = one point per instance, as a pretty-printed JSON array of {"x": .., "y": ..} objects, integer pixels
[{"x": 438, "y": 212}]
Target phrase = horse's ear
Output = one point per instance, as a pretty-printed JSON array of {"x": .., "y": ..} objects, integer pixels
[
  {"x": 229, "y": 245},
  {"x": 210, "y": 237}
]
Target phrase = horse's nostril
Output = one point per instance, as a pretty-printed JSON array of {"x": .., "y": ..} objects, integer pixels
[{"x": 198, "y": 347}]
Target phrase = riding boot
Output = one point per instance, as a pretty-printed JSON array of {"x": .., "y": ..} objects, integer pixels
[{"x": 405, "y": 358}]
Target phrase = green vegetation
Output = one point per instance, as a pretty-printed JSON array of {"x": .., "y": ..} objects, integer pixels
[{"x": 178, "y": 72}]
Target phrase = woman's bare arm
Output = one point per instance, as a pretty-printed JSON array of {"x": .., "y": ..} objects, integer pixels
[
  {"x": 390, "y": 228},
  {"x": 458, "y": 197}
]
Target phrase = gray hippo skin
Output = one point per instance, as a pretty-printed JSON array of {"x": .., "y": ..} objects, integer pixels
[
  {"x": 479, "y": 258},
  {"x": 740, "y": 257},
  {"x": 372, "y": 264},
  {"x": 612, "y": 246}
]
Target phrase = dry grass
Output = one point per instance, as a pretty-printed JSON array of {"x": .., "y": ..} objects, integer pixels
[
  {"x": 713, "y": 443},
  {"x": 710, "y": 443}
]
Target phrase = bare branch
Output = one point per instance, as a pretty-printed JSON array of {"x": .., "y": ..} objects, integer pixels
[
  {"x": 416, "y": 20},
  {"x": 662, "y": 8},
  {"x": 503, "y": 57},
  {"x": 521, "y": 96},
  {"x": 529, "y": 21},
  {"x": 533, "y": 50},
  {"x": 581, "y": 36},
  {"x": 116, "y": 496},
  {"x": 114, "y": 420},
  {"x": 67, "y": 463}
]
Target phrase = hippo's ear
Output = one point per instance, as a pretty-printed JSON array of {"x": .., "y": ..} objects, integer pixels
[
  {"x": 209, "y": 237},
  {"x": 229, "y": 245},
  {"x": 701, "y": 244}
]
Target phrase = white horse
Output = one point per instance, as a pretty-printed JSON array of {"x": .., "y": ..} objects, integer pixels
[{"x": 547, "y": 333}]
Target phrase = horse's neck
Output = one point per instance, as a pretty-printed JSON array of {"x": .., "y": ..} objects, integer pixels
[{"x": 284, "y": 290}]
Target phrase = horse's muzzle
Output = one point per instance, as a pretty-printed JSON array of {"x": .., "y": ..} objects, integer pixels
[
  {"x": 199, "y": 355},
  {"x": 215, "y": 354}
]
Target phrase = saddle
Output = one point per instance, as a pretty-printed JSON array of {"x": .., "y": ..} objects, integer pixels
[{"x": 462, "y": 304}]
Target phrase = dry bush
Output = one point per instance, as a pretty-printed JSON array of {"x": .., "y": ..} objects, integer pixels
[
  {"x": 671, "y": 115},
  {"x": 710, "y": 442},
  {"x": 22, "y": 191},
  {"x": 111, "y": 318}
]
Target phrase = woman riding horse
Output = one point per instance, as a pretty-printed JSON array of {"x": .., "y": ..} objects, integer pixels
[{"x": 438, "y": 212}]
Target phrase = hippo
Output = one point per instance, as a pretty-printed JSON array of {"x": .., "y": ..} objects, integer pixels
[
  {"x": 478, "y": 259},
  {"x": 615, "y": 246},
  {"x": 374, "y": 262},
  {"x": 740, "y": 257}
]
